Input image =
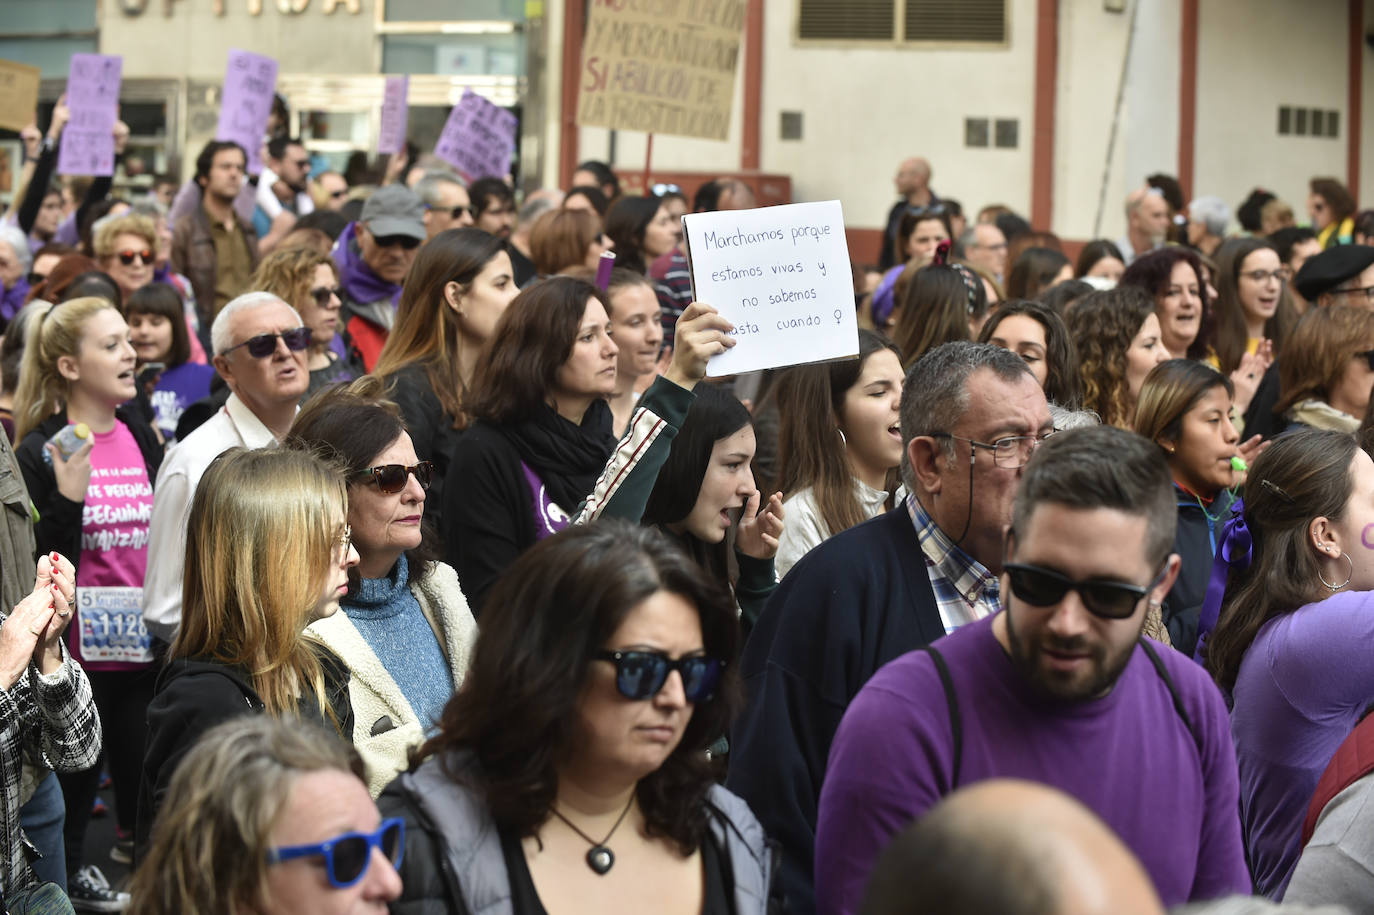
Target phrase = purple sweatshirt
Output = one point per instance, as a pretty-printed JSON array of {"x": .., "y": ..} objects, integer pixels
[
  {"x": 1128, "y": 756},
  {"x": 1302, "y": 687}
]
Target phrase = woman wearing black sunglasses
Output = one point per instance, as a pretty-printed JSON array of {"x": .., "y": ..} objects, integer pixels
[
  {"x": 309, "y": 282},
  {"x": 573, "y": 762},
  {"x": 406, "y": 631},
  {"x": 272, "y": 818}
]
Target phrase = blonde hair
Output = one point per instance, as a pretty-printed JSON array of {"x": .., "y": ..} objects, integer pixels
[
  {"x": 107, "y": 230},
  {"x": 289, "y": 273},
  {"x": 54, "y": 331},
  {"x": 210, "y": 841},
  {"x": 263, "y": 528}
]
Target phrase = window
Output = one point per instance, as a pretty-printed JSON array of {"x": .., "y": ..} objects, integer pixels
[
  {"x": 791, "y": 127},
  {"x": 1309, "y": 122},
  {"x": 944, "y": 21},
  {"x": 976, "y": 132}
]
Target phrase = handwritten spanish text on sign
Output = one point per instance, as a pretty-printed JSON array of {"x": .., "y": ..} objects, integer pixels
[
  {"x": 18, "y": 95},
  {"x": 87, "y": 144},
  {"x": 392, "y": 137},
  {"x": 781, "y": 275},
  {"x": 661, "y": 66},
  {"x": 478, "y": 137},
  {"x": 249, "y": 83}
]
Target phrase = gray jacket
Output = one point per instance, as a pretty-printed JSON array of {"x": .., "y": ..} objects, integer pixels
[{"x": 454, "y": 863}]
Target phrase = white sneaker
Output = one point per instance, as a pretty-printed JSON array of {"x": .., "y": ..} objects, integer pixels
[{"x": 89, "y": 891}]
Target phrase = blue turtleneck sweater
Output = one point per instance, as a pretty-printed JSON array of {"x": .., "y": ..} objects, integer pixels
[{"x": 388, "y": 617}]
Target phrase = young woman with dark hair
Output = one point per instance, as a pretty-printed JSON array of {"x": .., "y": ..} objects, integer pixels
[
  {"x": 706, "y": 487},
  {"x": 838, "y": 444},
  {"x": 158, "y": 332},
  {"x": 643, "y": 229},
  {"x": 573, "y": 764},
  {"x": 919, "y": 233},
  {"x": 1100, "y": 259},
  {"x": 1117, "y": 338},
  {"x": 1291, "y": 645},
  {"x": 458, "y": 287},
  {"x": 1253, "y": 303},
  {"x": 1186, "y": 408},
  {"x": 944, "y": 302},
  {"x": 561, "y": 239},
  {"x": 1035, "y": 270},
  {"x": 1326, "y": 370},
  {"x": 1038, "y": 335},
  {"x": 542, "y": 431}
]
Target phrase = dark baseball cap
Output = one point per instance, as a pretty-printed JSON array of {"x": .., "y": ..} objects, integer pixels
[{"x": 394, "y": 210}]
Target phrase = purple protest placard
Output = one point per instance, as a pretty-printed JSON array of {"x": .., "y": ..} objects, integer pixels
[
  {"x": 478, "y": 137},
  {"x": 392, "y": 138},
  {"x": 87, "y": 146},
  {"x": 249, "y": 82}
]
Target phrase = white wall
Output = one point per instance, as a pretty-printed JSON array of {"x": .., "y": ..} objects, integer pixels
[{"x": 1254, "y": 55}]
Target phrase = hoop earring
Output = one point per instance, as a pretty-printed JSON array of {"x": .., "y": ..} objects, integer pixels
[
  {"x": 843, "y": 441},
  {"x": 1334, "y": 588}
]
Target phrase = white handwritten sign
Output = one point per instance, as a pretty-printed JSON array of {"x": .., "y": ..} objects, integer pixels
[{"x": 781, "y": 275}]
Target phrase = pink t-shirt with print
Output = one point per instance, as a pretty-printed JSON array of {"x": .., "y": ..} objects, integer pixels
[{"x": 109, "y": 632}]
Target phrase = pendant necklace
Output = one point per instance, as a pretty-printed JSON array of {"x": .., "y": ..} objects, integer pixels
[{"x": 599, "y": 857}]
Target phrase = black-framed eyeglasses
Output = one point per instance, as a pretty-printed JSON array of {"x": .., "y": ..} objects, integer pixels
[
  {"x": 641, "y": 674},
  {"x": 264, "y": 345},
  {"x": 1041, "y": 587},
  {"x": 323, "y": 294},
  {"x": 127, "y": 258},
  {"x": 392, "y": 478},
  {"x": 1259, "y": 276},
  {"x": 1010, "y": 452},
  {"x": 408, "y": 242},
  {"x": 1368, "y": 292},
  {"x": 348, "y": 856},
  {"x": 453, "y": 212}
]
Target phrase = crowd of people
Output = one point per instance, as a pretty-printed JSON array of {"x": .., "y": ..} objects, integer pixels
[{"x": 383, "y": 553}]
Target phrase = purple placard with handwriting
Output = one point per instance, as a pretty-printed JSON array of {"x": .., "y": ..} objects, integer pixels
[
  {"x": 478, "y": 137},
  {"x": 392, "y": 138},
  {"x": 87, "y": 146},
  {"x": 249, "y": 82}
]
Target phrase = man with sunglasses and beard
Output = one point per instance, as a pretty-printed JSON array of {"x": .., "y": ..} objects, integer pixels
[
  {"x": 1058, "y": 688},
  {"x": 374, "y": 255},
  {"x": 971, "y": 415},
  {"x": 260, "y": 348}
]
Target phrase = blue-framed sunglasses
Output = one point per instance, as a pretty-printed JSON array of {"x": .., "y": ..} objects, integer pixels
[{"x": 347, "y": 857}]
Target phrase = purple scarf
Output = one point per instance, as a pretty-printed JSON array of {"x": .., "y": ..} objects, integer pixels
[
  {"x": 359, "y": 283},
  {"x": 13, "y": 299},
  {"x": 1234, "y": 551}
]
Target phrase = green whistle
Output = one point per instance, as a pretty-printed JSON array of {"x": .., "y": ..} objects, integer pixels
[{"x": 1238, "y": 465}]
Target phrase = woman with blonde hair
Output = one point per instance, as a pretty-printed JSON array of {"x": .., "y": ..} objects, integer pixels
[
  {"x": 126, "y": 248},
  {"x": 246, "y": 600},
  {"x": 308, "y": 281},
  {"x": 567, "y": 238},
  {"x": 272, "y": 818},
  {"x": 1326, "y": 369},
  {"x": 93, "y": 495},
  {"x": 1117, "y": 337}
]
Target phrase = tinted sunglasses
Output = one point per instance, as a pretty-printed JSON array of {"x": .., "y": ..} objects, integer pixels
[
  {"x": 323, "y": 294},
  {"x": 409, "y": 242},
  {"x": 347, "y": 857},
  {"x": 127, "y": 257},
  {"x": 1113, "y": 600},
  {"x": 392, "y": 478},
  {"x": 335, "y": 195},
  {"x": 35, "y": 278},
  {"x": 264, "y": 345},
  {"x": 641, "y": 674}
]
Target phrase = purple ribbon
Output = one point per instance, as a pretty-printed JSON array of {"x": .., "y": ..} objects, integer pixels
[{"x": 1234, "y": 551}]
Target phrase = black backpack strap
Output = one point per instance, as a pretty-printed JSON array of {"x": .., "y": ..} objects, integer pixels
[
  {"x": 1173, "y": 691},
  {"x": 956, "y": 724}
]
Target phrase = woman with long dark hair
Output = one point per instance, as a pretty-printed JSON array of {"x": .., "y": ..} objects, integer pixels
[
  {"x": 1117, "y": 338},
  {"x": 573, "y": 763},
  {"x": 643, "y": 230},
  {"x": 1037, "y": 334},
  {"x": 1291, "y": 645}
]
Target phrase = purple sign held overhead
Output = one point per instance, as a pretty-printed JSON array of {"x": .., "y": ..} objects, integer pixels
[
  {"x": 87, "y": 146},
  {"x": 392, "y": 138},
  {"x": 249, "y": 82},
  {"x": 478, "y": 137}
]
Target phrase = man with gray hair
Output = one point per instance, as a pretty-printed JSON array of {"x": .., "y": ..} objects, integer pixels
[
  {"x": 1147, "y": 223},
  {"x": 445, "y": 197},
  {"x": 984, "y": 246},
  {"x": 1207, "y": 221},
  {"x": 260, "y": 348},
  {"x": 15, "y": 260},
  {"x": 971, "y": 416}
]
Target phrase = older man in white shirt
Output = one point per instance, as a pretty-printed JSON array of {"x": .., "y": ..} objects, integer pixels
[{"x": 260, "y": 350}]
